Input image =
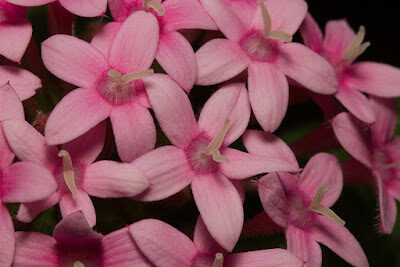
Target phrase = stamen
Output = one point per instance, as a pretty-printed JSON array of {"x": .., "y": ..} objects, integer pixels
[
  {"x": 267, "y": 32},
  {"x": 356, "y": 47},
  {"x": 391, "y": 165},
  {"x": 280, "y": 35},
  {"x": 157, "y": 7},
  {"x": 78, "y": 264},
  {"x": 214, "y": 146},
  {"x": 325, "y": 211},
  {"x": 68, "y": 172},
  {"x": 219, "y": 260},
  {"x": 129, "y": 77}
]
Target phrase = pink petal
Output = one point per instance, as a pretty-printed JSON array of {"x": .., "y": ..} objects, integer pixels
[
  {"x": 375, "y": 78},
  {"x": 26, "y": 182},
  {"x": 134, "y": 131},
  {"x": 220, "y": 208},
  {"x": 311, "y": 33},
  {"x": 16, "y": 37},
  {"x": 10, "y": 104},
  {"x": 73, "y": 60},
  {"x": 163, "y": 244},
  {"x": 176, "y": 56},
  {"x": 74, "y": 115},
  {"x": 30, "y": 2},
  {"x": 28, "y": 211},
  {"x": 186, "y": 14},
  {"x": 35, "y": 249},
  {"x": 36, "y": 150},
  {"x": 225, "y": 18},
  {"x": 172, "y": 109},
  {"x": 286, "y": 15},
  {"x": 387, "y": 206},
  {"x": 23, "y": 82},
  {"x": 7, "y": 155},
  {"x": 301, "y": 244},
  {"x": 219, "y": 60},
  {"x": 105, "y": 37},
  {"x": 203, "y": 241},
  {"x": 352, "y": 136},
  {"x": 322, "y": 169},
  {"x": 269, "y": 95},
  {"x": 167, "y": 170},
  {"x": 230, "y": 101},
  {"x": 340, "y": 240},
  {"x": 119, "y": 249},
  {"x": 243, "y": 165},
  {"x": 273, "y": 198},
  {"x": 263, "y": 258},
  {"x": 307, "y": 68},
  {"x": 245, "y": 9},
  {"x": 135, "y": 45},
  {"x": 81, "y": 202},
  {"x": 88, "y": 8},
  {"x": 338, "y": 36},
  {"x": 357, "y": 103},
  {"x": 110, "y": 179},
  {"x": 386, "y": 118},
  {"x": 120, "y": 10},
  {"x": 7, "y": 239}
]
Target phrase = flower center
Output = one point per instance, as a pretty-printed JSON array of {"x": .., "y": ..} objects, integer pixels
[
  {"x": 156, "y": 6},
  {"x": 119, "y": 89},
  {"x": 356, "y": 47},
  {"x": 68, "y": 172},
  {"x": 219, "y": 260},
  {"x": 78, "y": 264}
]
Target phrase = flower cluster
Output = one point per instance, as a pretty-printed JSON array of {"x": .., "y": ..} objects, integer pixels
[{"x": 251, "y": 60}]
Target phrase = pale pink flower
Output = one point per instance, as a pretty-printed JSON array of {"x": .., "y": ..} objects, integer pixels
[
  {"x": 111, "y": 86},
  {"x": 83, "y": 8},
  {"x": 377, "y": 149},
  {"x": 23, "y": 82},
  {"x": 73, "y": 169},
  {"x": 74, "y": 243},
  {"x": 264, "y": 49},
  {"x": 15, "y": 31},
  {"x": 165, "y": 246},
  {"x": 301, "y": 203},
  {"x": 341, "y": 46}
]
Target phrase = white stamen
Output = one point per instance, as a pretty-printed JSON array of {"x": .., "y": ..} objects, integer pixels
[
  {"x": 219, "y": 260},
  {"x": 356, "y": 47},
  {"x": 267, "y": 32},
  {"x": 129, "y": 77},
  {"x": 215, "y": 145},
  {"x": 325, "y": 211},
  {"x": 157, "y": 7},
  {"x": 78, "y": 264},
  {"x": 391, "y": 165},
  {"x": 280, "y": 35},
  {"x": 68, "y": 172}
]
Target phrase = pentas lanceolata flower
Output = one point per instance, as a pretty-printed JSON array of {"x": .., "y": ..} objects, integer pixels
[
  {"x": 377, "y": 149},
  {"x": 23, "y": 82}
]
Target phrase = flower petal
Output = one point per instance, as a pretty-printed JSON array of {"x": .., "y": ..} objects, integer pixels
[
  {"x": 387, "y": 206},
  {"x": 203, "y": 241},
  {"x": 167, "y": 170},
  {"x": 307, "y": 68},
  {"x": 75, "y": 114},
  {"x": 30, "y": 2},
  {"x": 134, "y": 131},
  {"x": 73, "y": 60},
  {"x": 135, "y": 44},
  {"x": 23, "y": 82},
  {"x": 269, "y": 95},
  {"x": 16, "y": 37},
  {"x": 220, "y": 208},
  {"x": 172, "y": 108},
  {"x": 81, "y": 202},
  {"x": 105, "y": 37},
  {"x": 230, "y": 101},
  {"x": 311, "y": 33},
  {"x": 10, "y": 104},
  {"x": 351, "y": 135},
  {"x": 89, "y": 8},
  {"x": 163, "y": 244},
  {"x": 286, "y": 15},
  {"x": 7, "y": 239},
  {"x": 219, "y": 60},
  {"x": 28, "y": 211},
  {"x": 26, "y": 182},
  {"x": 176, "y": 56},
  {"x": 7, "y": 155},
  {"x": 338, "y": 36},
  {"x": 386, "y": 118}
]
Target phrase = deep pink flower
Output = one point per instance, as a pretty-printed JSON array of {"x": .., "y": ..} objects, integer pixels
[
  {"x": 83, "y": 8},
  {"x": 200, "y": 156},
  {"x": 15, "y": 30},
  {"x": 23, "y": 82},
  {"x": 261, "y": 48},
  {"x": 377, "y": 149},
  {"x": 301, "y": 205},
  {"x": 167, "y": 247},
  {"x": 73, "y": 169},
  {"x": 111, "y": 86},
  {"x": 74, "y": 243},
  {"x": 341, "y": 46},
  {"x": 19, "y": 182}
]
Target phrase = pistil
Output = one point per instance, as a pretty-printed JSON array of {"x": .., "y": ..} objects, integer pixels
[
  {"x": 68, "y": 172},
  {"x": 325, "y": 211},
  {"x": 216, "y": 142},
  {"x": 156, "y": 6},
  {"x": 124, "y": 79},
  {"x": 78, "y": 264},
  {"x": 356, "y": 47},
  {"x": 219, "y": 260},
  {"x": 267, "y": 32}
]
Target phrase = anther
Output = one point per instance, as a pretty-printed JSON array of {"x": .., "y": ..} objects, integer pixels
[
  {"x": 219, "y": 260},
  {"x": 129, "y": 77},
  {"x": 356, "y": 47},
  {"x": 325, "y": 211},
  {"x": 267, "y": 32},
  {"x": 68, "y": 172},
  {"x": 215, "y": 145},
  {"x": 157, "y": 7}
]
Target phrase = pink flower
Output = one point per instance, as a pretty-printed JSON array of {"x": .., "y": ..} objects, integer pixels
[
  {"x": 200, "y": 156},
  {"x": 111, "y": 86},
  {"x": 19, "y": 182},
  {"x": 261, "y": 48},
  {"x": 15, "y": 30},
  {"x": 83, "y": 8},
  {"x": 175, "y": 54},
  {"x": 73, "y": 169},
  {"x": 166, "y": 246},
  {"x": 301, "y": 205},
  {"x": 74, "y": 243},
  {"x": 23, "y": 82},
  {"x": 341, "y": 46},
  {"x": 377, "y": 149}
]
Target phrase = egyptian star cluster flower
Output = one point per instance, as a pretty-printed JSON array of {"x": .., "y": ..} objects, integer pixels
[{"x": 152, "y": 133}]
